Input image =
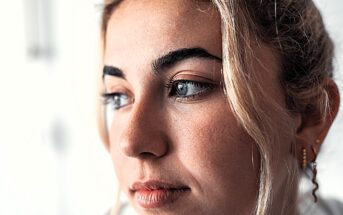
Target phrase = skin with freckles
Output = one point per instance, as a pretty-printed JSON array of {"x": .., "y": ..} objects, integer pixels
[
  {"x": 194, "y": 141},
  {"x": 175, "y": 125}
]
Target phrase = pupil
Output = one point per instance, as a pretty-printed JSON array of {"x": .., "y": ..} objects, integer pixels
[
  {"x": 117, "y": 100},
  {"x": 182, "y": 88}
]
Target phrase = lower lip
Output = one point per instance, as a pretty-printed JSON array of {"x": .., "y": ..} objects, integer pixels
[{"x": 158, "y": 198}]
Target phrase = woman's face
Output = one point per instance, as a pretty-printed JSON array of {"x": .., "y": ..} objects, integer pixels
[{"x": 175, "y": 143}]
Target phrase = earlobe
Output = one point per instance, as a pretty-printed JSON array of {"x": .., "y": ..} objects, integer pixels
[
  {"x": 314, "y": 126},
  {"x": 306, "y": 152},
  {"x": 312, "y": 129}
]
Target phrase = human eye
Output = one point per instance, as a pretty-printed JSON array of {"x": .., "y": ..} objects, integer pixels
[
  {"x": 116, "y": 100},
  {"x": 187, "y": 89}
]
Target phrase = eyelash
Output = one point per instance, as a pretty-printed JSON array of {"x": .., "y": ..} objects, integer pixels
[
  {"x": 109, "y": 98},
  {"x": 172, "y": 90}
]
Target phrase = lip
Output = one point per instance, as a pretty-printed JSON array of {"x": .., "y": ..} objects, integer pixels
[{"x": 156, "y": 194}]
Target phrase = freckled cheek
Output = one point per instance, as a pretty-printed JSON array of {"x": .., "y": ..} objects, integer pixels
[
  {"x": 218, "y": 154},
  {"x": 122, "y": 169},
  {"x": 211, "y": 137}
]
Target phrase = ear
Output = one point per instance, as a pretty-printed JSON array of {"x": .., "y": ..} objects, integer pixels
[{"x": 314, "y": 126}]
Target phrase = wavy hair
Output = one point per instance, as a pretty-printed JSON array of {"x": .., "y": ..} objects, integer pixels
[{"x": 294, "y": 30}]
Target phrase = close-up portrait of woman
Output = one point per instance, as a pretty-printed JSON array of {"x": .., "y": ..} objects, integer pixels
[
  {"x": 217, "y": 107},
  {"x": 171, "y": 107}
]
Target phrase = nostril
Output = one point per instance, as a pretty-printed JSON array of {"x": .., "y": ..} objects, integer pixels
[
  {"x": 142, "y": 138},
  {"x": 147, "y": 155},
  {"x": 144, "y": 149}
]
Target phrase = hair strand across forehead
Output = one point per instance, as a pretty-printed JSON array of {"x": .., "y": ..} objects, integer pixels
[{"x": 295, "y": 30}]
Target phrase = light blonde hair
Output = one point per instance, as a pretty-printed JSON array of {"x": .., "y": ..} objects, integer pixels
[{"x": 295, "y": 31}]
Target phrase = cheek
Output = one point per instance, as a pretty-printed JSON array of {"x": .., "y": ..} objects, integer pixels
[
  {"x": 218, "y": 153},
  {"x": 208, "y": 148},
  {"x": 121, "y": 162},
  {"x": 118, "y": 161}
]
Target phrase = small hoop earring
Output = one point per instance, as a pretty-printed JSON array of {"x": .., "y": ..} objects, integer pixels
[{"x": 304, "y": 158}]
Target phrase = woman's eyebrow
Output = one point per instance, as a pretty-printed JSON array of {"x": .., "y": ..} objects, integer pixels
[
  {"x": 112, "y": 71},
  {"x": 166, "y": 61},
  {"x": 175, "y": 56}
]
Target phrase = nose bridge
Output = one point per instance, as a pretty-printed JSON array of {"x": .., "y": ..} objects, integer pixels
[{"x": 144, "y": 133}]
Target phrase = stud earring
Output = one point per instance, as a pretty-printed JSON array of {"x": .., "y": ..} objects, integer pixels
[{"x": 304, "y": 158}]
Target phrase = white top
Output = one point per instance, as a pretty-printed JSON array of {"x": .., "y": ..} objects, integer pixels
[
  {"x": 306, "y": 207},
  {"x": 323, "y": 207}
]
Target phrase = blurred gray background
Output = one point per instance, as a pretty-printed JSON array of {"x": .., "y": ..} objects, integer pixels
[{"x": 51, "y": 158}]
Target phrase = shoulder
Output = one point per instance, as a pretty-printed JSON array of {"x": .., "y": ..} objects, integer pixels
[{"x": 324, "y": 206}]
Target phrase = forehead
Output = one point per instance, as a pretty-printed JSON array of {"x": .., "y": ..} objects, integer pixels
[{"x": 154, "y": 27}]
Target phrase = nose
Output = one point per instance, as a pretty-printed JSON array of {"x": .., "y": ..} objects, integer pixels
[{"x": 144, "y": 134}]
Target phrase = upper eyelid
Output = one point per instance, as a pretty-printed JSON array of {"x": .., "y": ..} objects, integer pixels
[
  {"x": 192, "y": 79},
  {"x": 205, "y": 85},
  {"x": 122, "y": 86},
  {"x": 115, "y": 84}
]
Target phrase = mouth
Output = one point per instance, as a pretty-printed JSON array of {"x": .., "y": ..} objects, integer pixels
[{"x": 156, "y": 194}]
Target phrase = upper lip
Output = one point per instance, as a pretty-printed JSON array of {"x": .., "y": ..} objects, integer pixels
[{"x": 157, "y": 185}]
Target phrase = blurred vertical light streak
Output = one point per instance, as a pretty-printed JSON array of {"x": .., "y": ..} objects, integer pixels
[
  {"x": 40, "y": 45},
  {"x": 39, "y": 30},
  {"x": 58, "y": 138}
]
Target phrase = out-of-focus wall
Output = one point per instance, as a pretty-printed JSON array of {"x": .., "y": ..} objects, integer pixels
[
  {"x": 330, "y": 161},
  {"x": 51, "y": 159}
]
